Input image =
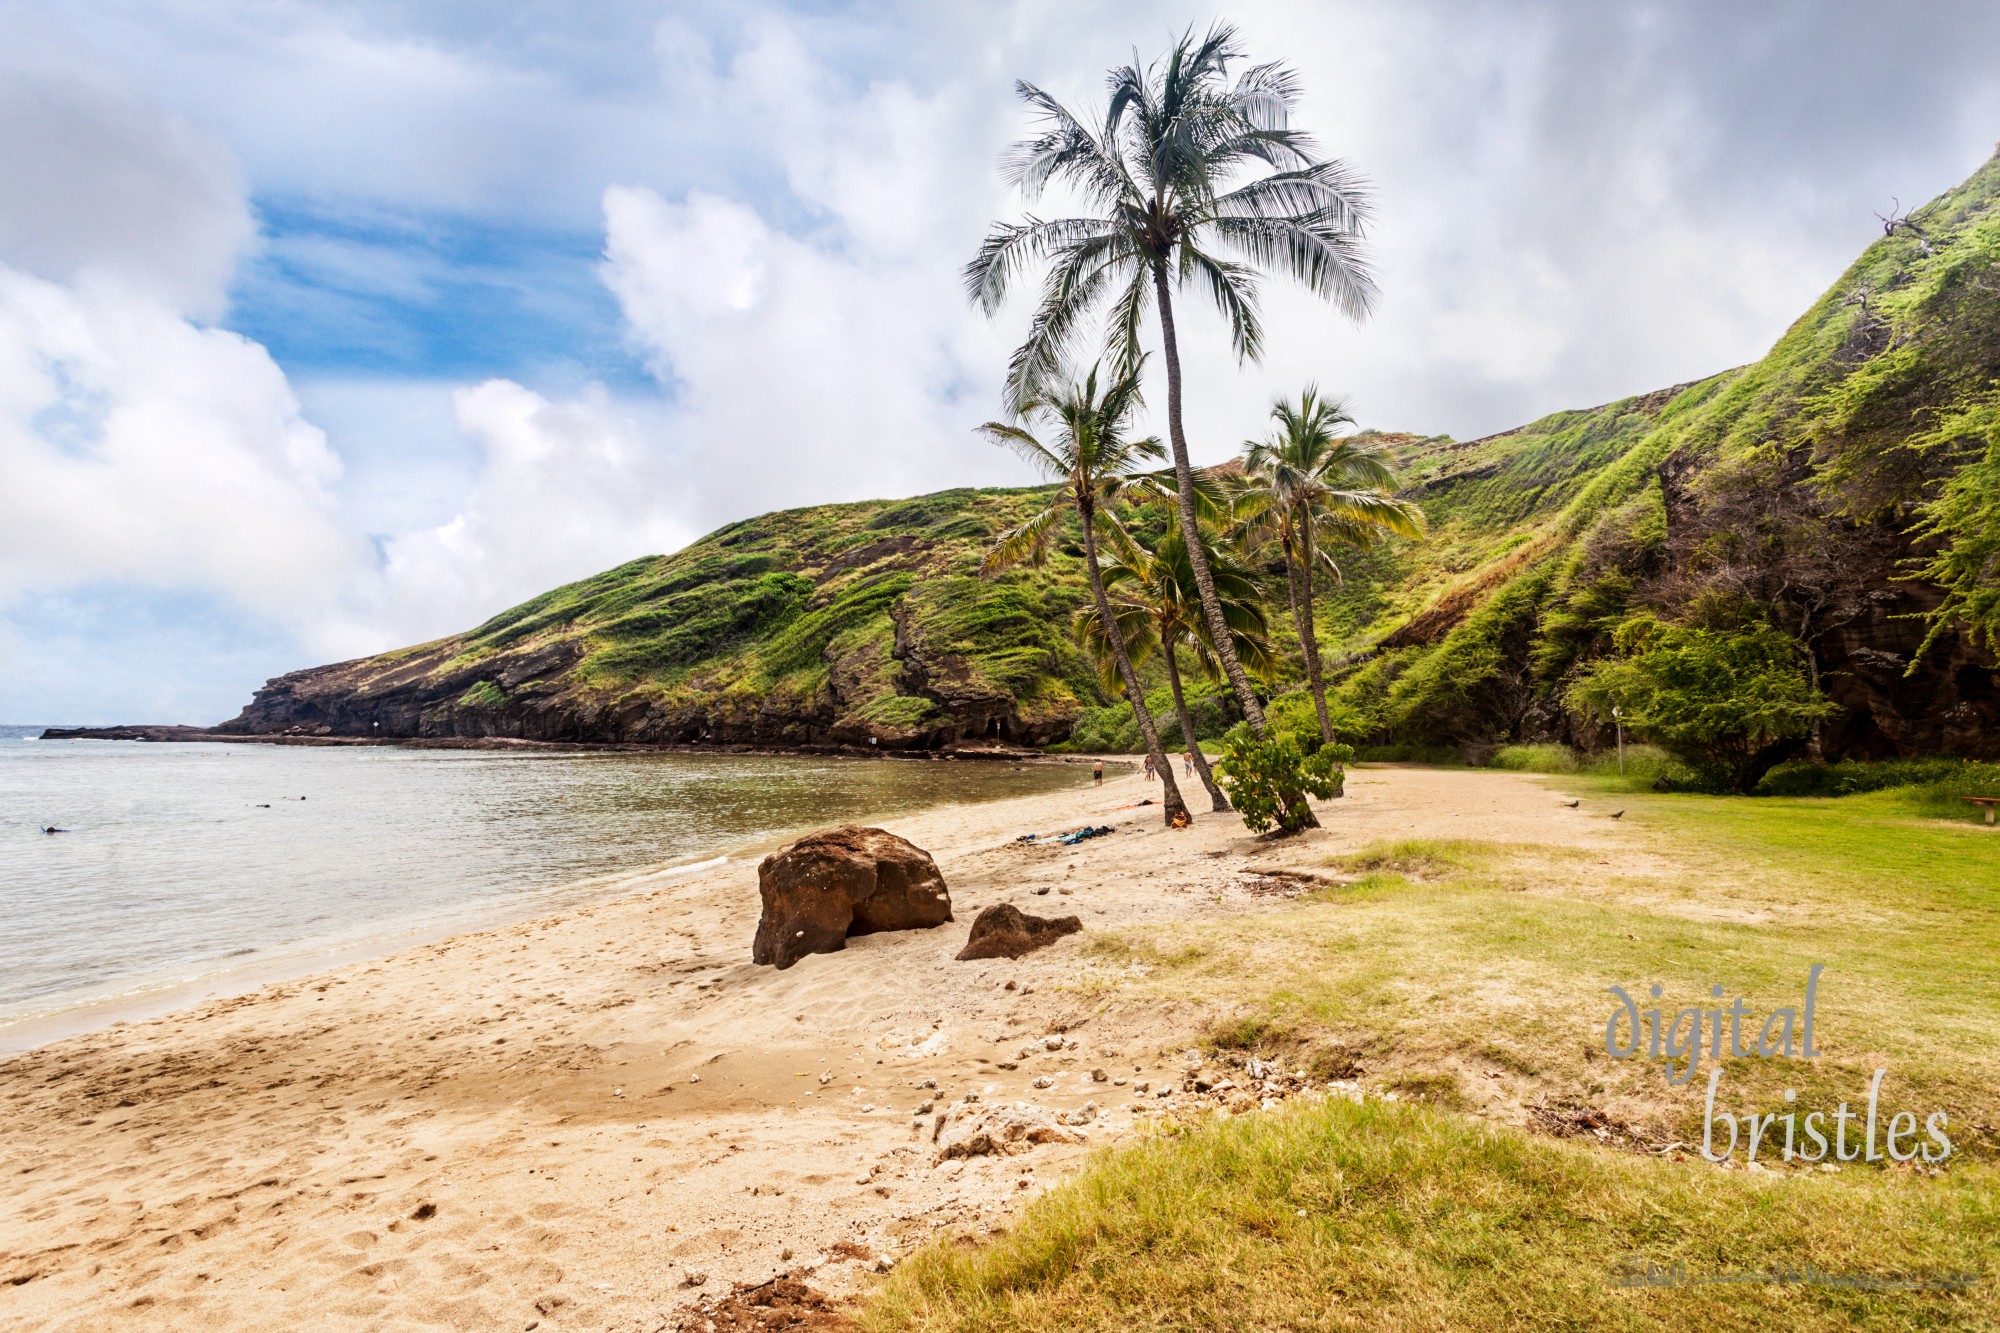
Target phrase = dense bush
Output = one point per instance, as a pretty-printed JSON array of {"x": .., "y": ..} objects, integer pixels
[
  {"x": 1733, "y": 701},
  {"x": 1645, "y": 765},
  {"x": 1537, "y": 759},
  {"x": 1267, "y": 778},
  {"x": 1936, "y": 786},
  {"x": 1409, "y": 754}
]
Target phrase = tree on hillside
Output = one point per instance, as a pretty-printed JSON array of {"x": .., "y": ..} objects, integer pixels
[
  {"x": 1171, "y": 179},
  {"x": 1157, "y": 608},
  {"x": 1309, "y": 488},
  {"x": 1733, "y": 701},
  {"x": 1087, "y": 452}
]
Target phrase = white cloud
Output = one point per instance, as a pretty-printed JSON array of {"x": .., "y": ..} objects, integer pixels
[
  {"x": 564, "y": 490},
  {"x": 140, "y": 447},
  {"x": 799, "y": 374},
  {"x": 96, "y": 184}
]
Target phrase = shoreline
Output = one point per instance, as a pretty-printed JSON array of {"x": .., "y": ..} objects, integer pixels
[
  {"x": 233, "y": 976},
  {"x": 179, "y": 734},
  {"x": 226, "y": 977},
  {"x": 594, "y": 1116}
]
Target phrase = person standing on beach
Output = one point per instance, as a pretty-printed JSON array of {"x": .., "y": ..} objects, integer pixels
[
  {"x": 1149, "y": 767},
  {"x": 1097, "y": 773},
  {"x": 1187, "y": 764}
]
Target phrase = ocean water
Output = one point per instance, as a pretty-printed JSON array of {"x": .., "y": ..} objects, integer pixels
[{"x": 185, "y": 867}]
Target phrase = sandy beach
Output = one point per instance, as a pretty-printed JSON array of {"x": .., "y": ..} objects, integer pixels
[{"x": 594, "y": 1119}]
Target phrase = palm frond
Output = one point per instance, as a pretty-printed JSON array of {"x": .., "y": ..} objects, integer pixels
[
  {"x": 1232, "y": 289},
  {"x": 1028, "y": 542},
  {"x": 1068, "y": 293},
  {"x": 1332, "y": 188},
  {"x": 1010, "y": 248},
  {"x": 1065, "y": 150},
  {"x": 1014, "y": 438},
  {"x": 1324, "y": 257}
]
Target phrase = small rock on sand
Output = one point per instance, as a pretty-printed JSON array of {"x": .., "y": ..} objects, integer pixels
[
  {"x": 1005, "y": 931},
  {"x": 976, "y": 1131}
]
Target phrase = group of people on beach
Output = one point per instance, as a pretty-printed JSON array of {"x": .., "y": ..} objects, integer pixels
[{"x": 1187, "y": 768}]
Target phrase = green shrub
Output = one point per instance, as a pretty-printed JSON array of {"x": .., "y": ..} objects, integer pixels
[
  {"x": 1855, "y": 776},
  {"x": 1294, "y": 712},
  {"x": 1645, "y": 765},
  {"x": 1935, "y": 786},
  {"x": 1732, "y": 701},
  {"x": 1650, "y": 766},
  {"x": 1114, "y": 729},
  {"x": 1268, "y": 778},
  {"x": 485, "y": 694},
  {"x": 1536, "y": 759}
]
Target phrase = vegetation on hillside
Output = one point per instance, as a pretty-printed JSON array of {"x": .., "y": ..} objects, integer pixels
[{"x": 1822, "y": 491}]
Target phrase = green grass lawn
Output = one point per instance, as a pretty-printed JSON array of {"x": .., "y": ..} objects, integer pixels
[{"x": 1470, "y": 979}]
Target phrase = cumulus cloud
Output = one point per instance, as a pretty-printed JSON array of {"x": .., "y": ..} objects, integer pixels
[
  {"x": 140, "y": 447},
  {"x": 834, "y": 357},
  {"x": 565, "y": 489},
  {"x": 798, "y": 375}
]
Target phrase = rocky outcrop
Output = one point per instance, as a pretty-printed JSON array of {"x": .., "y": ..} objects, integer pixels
[
  {"x": 841, "y": 882},
  {"x": 1005, "y": 931}
]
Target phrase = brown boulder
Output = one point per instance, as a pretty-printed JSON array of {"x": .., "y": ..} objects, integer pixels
[
  {"x": 1005, "y": 931},
  {"x": 840, "y": 882}
]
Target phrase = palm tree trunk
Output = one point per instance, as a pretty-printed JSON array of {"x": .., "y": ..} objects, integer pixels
[
  {"x": 1211, "y": 605},
  {"x": 1302, "y": 620},
  {"x": 1219, "y": 802},
  {"x": 1176, "y": 812}
]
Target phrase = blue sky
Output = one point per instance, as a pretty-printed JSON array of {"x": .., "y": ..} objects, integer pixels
[
  {"x": 327, "y": 327},
  {"x": 342, "y": 292}
]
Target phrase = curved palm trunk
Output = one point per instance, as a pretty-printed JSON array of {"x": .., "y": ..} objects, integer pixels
[
  {"x": 1302, "y": 621},
  {"x": 1211, "y": 606},
  {"x": 1218, "y": 801},
  {"x": 1176, "y": 811}
]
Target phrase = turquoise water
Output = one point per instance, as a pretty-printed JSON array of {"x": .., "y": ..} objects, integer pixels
[{"x": 185, "y": 862}]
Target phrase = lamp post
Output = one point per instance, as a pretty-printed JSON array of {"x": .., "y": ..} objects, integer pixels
[{"x": 1616, "y": 715}]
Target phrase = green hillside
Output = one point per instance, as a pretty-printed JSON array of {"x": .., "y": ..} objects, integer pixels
[{"x": 1846, "y": 486}]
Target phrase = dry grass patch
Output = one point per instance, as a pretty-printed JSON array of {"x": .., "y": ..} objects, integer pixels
[
  {"x": 1473, "y": 975},
  {"x": 1393, "y": 1216}
]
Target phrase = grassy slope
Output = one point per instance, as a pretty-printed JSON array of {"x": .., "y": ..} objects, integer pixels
[
  {"x": 1542, "y": 540},
  {"x": 791, "y": 612},
  {"x": 1888, "y": 406},
  {"x": 1450, "y": 962}
]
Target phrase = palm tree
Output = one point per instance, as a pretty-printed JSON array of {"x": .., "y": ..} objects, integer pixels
[
  {"x": 1309, "y": 488},
  {"x": 1088, "y": 453},
  {"x": 1157, "y": 608},
  {"x": 1170, "y": 205}
]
